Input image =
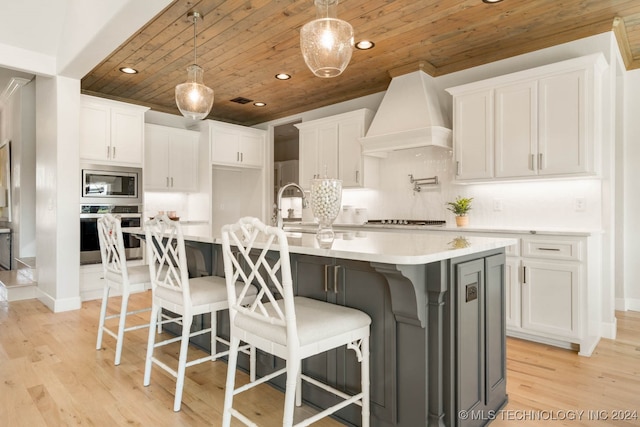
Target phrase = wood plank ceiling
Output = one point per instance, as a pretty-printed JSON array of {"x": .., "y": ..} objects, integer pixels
[{"x": 243, "y": 44}]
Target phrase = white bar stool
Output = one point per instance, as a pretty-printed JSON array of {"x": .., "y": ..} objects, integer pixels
[
  {"x": 120, "y": 277},
  {"x": 173, "y": 290},
  {"x": 292, "y": 328}
]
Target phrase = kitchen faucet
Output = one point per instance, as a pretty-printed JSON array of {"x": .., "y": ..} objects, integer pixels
[{"x": 305, "y": 202}]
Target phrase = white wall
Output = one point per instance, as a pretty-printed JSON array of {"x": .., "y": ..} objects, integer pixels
[
  {"x": 632, "y": 190},
  {"x": 57, "y": 178}
]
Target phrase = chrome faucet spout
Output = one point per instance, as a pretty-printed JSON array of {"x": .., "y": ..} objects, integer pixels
[{"x": 279, "y": 201}]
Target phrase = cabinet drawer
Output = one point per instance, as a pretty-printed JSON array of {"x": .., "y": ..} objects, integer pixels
[{"x": 552, "y": 249}]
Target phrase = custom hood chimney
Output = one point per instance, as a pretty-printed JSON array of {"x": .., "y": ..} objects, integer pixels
[{"x": 409, "y": 116}]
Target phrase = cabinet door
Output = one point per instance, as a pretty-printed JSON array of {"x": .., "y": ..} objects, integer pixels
[
  {"x": 360, "y": 286},
  {"x": 308, "y": 165},
  {"x": 225, "y": 146},
  {"x": 516, "y": 133},
  {"x": 473, "y": 135},
  {"x": 563, "y": 124},
  {"x": 470, "y": 339},
  {"x": 156, "y": 158},
  {"x": 251, "y": 149},
  {"x": 350, "y": 160},
  {"x": 127, "y": 132},
  {"x": 183, "y": 160},
  {"x": 495, "y": 327},
  {"x": 328, "y": 151},
  {"x": 550, "y": 297},
  {"x": 95, "y": 132}
]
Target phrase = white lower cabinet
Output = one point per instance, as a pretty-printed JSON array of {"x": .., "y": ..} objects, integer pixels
[{"x": 551, "y": 297}]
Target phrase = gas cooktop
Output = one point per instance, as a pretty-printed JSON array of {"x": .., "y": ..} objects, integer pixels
[{"x": 432, "y": 222}]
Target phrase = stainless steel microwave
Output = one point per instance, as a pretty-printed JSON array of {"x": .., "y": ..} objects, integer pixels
[{"x": 111, "y": 184}]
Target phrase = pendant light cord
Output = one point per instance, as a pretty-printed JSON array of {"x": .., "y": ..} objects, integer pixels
[{"x": 195, "y": 23}]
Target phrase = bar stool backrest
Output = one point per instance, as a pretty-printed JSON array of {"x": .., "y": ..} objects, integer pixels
[
  {"x": 247, "y": 235},
  {"x": 166, "y": 256},
  {"x": 114, "y": 261}
]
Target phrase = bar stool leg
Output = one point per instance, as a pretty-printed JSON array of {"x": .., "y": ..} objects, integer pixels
[
  {"x": 155, "y": 313},
  {"x": 231, "y": 379},
  {"x": 121, "y": 325},
  {"x": 293, "y": 368},
  {"x": 103, "y": 314},
  {"x": 187, "y": 319}
]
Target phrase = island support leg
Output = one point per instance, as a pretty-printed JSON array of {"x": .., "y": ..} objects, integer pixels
[{"x": 436, "y": 293}]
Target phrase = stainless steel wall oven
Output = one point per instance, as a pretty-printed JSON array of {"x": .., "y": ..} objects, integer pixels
[{"x": 131, "y": 216}]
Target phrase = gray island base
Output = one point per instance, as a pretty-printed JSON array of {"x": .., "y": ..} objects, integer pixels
[{"x": 438, "y": 322}]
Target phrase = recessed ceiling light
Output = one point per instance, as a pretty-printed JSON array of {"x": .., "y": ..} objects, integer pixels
[
  {"x": 365, "y": 44},
  {"x": 259, "y": 104},
  {"x": 129, "y": 70},
  {"x": 283, "y": 76},
  {"x": 491, "y": 1}
]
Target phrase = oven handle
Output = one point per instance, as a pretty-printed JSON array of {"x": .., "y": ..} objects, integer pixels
[{"x": 122, "y": 215}]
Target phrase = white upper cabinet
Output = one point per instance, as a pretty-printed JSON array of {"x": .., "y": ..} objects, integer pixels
[
  {"x": 540, "y": 122},
  {"x": 171, "y": 159},
  {"x": 238, "y": 146},
  {"x": 473, "y": 135},
  {"x": 331, "y": 147},
  {"x": 111, "y": 132}
]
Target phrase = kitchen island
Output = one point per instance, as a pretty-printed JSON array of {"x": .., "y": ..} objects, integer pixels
[{"x": 438, "y": 323}]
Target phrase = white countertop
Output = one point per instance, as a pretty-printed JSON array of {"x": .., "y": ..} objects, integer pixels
[
  {"x": 549, "y": 231},
  {"x": 373, "y": 246}
]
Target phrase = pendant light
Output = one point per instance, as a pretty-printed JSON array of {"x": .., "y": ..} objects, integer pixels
[
  {"x": 193, "y": 98},
  {"x": 326, "y": 42}
]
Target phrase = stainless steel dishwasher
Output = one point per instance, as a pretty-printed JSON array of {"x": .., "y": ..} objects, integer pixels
[{"x": 5, "y": 251}]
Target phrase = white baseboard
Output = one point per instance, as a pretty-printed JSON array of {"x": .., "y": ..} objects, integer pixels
[
  {"x": 59, "y": 305},
  {"x": 633, "y": 304},
  {"x": 609, "y": 329}
]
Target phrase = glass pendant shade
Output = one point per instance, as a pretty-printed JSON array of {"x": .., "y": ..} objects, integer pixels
[
  {"x": 193, "y": 98},
  {"x": 326, "y": 42}
]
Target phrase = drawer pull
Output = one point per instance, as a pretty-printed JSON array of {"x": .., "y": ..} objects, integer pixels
[
  {"x": 335, "y": 279},
  {"x": 549, "y": 249}
]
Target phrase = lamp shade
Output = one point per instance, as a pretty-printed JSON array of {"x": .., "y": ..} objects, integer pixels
[
  {"x": 193, "y": 98},
  {"x": 326, "y": 42}
]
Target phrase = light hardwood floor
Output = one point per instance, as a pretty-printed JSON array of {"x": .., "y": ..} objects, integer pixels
[{"x": 51, "y": 375}]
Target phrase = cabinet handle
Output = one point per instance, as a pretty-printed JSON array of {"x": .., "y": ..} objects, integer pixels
[
  {"x": 241, "y": 157},
  {"x": 549, "y": 249},
  {"x": 540, "y": 167},
  {"x": 326, "y": 273},
  {"x": 531, "y": 166},
  {"x": 524, "y": 274},
  {"x": 171, "y": 182},
  {"x": 357, "y": 177},
  {"x": 114, "y": 152},
  {"x": 335, "y": 279},
  {"x": 457, "y": 167},
  {"x": 167, "y": 181},
  {"x": 108, "y": 152}
]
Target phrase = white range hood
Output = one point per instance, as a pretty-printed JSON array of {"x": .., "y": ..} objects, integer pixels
[{"x": 409, "y": 116}]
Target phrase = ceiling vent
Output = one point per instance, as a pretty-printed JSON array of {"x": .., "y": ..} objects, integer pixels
[{"x": 241, "y": 100}]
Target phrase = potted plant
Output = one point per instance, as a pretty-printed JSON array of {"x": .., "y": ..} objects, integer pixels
[{"x": 460, "y": 207}]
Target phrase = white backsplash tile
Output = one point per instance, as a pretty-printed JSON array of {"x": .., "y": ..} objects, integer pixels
[{"x": 537, "y": 203}]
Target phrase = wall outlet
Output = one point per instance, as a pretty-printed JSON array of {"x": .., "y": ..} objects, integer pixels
[
  {"x": 580, "y": 204},
  {"x": 497, "y": 205}
]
